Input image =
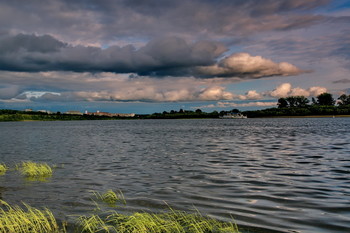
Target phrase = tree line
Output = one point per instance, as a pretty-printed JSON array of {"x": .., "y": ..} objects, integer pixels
[
  {"x": 323, "y": 104},
  {"x": 324, "y": 99}
]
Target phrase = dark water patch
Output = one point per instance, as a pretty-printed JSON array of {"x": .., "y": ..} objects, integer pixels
[
  {"x": 336, "y": 148},
  {"x": 340, "y": 171}
]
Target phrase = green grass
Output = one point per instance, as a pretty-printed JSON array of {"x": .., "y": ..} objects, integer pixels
[
  {"x": 14, "y": 219},
  {"x": 93, "y": 224},
  {"x": 35, "y": 170},
  {"x": 3, "y": 169},
  {"x": 110, "y": 197},
  {"x": 173, "y": 221}
]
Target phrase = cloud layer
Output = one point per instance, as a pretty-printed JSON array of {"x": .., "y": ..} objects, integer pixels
[
  {"x": 171, "y": 56},
  {"x": 106, "y": 21},
  {"x": 110, "y": 87}
]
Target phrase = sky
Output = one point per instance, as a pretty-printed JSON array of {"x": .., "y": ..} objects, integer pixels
[{"x": 138, "y": 56}]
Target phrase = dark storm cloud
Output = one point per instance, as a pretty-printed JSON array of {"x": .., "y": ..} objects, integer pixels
[
  {"x": 167, "y": 56},
  {"x": 104, "y": 21},
  {"x": 30, "y": 43}
]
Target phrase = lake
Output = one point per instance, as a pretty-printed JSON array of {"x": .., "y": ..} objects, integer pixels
[{"x": 287, "y": 175}]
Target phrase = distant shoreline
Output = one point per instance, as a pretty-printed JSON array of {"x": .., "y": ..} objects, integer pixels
[
  {"x": 74, "y": 119},
  {"x": 315, "y": 112}
]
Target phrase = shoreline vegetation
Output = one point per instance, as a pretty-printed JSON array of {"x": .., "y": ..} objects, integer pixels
[
  {"x": 24, "y": 218},
  {"x": 311, "y": 112},
  {"x": 293, "y": 106}
]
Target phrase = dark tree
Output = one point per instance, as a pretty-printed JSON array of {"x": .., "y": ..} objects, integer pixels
[
  {"x": 235, "y": 111},
  {"x": 282, "y": 103},
  {"x": 314, "y": 102},
  {"x": 344, "y": 100},
  {"x": 325, "y": 99},
  {"x": 292, "y": 101},
  {"x": 301, "y": 101},
  {"x": 198, "y": 111}
]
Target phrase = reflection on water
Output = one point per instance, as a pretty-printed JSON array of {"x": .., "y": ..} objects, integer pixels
[{"x": 279, "y": 174}]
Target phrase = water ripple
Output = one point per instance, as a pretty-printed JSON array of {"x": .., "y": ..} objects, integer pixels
[{"x": 285, "y": 175}]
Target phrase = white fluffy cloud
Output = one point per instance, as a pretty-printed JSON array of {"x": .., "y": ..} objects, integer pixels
[
  {"x": 315, "y": 91},
  {"x": 155, "y": 94},
  {"x": 237, "y": 105},
  {"x": 148, "y": 90},
  {"x": 249, "y": 104},
  {"x": 286, "y": 89},
  {"x": 109, "y": 87},
  {"x": 251, "y": 95},
  {"x": 215, "y": 93},
  {"x": 246, "y": 65},
  {"x": 282, "y": 90}
]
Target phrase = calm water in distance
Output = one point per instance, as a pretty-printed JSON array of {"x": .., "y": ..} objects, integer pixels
[{"x": 288, "y": 175}]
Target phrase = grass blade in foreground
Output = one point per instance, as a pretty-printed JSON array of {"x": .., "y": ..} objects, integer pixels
[
  {"x": 174, "y": 221},
  {"x": 17, "y": 220}
]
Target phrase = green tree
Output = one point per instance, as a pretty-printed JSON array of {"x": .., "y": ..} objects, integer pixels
[
  {"x": 301, "y": 101},
  {"x": 325, "y": 99},
  {"x": 314, "y": 102},
  {"x": 198, "y": 111},
  {"x": 292, "y": 101},
  {"x": 344, "y": 100},
  {"x": 282, "y": 103}
]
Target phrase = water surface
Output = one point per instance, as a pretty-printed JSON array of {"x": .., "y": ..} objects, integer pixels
[{"x": 278, "y": 174}]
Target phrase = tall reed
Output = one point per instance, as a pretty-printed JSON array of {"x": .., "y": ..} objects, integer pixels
[
  {"x": 173, "y": 221},
  {"x": 14, "y": 219},
  {"x": 110, "y": 197},
  {"x": 35, "y": 170}
]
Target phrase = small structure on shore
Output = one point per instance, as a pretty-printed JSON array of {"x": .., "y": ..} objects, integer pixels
[
  {"x": 233, "y": 116},
  {"x": 98, "y": 113}
]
